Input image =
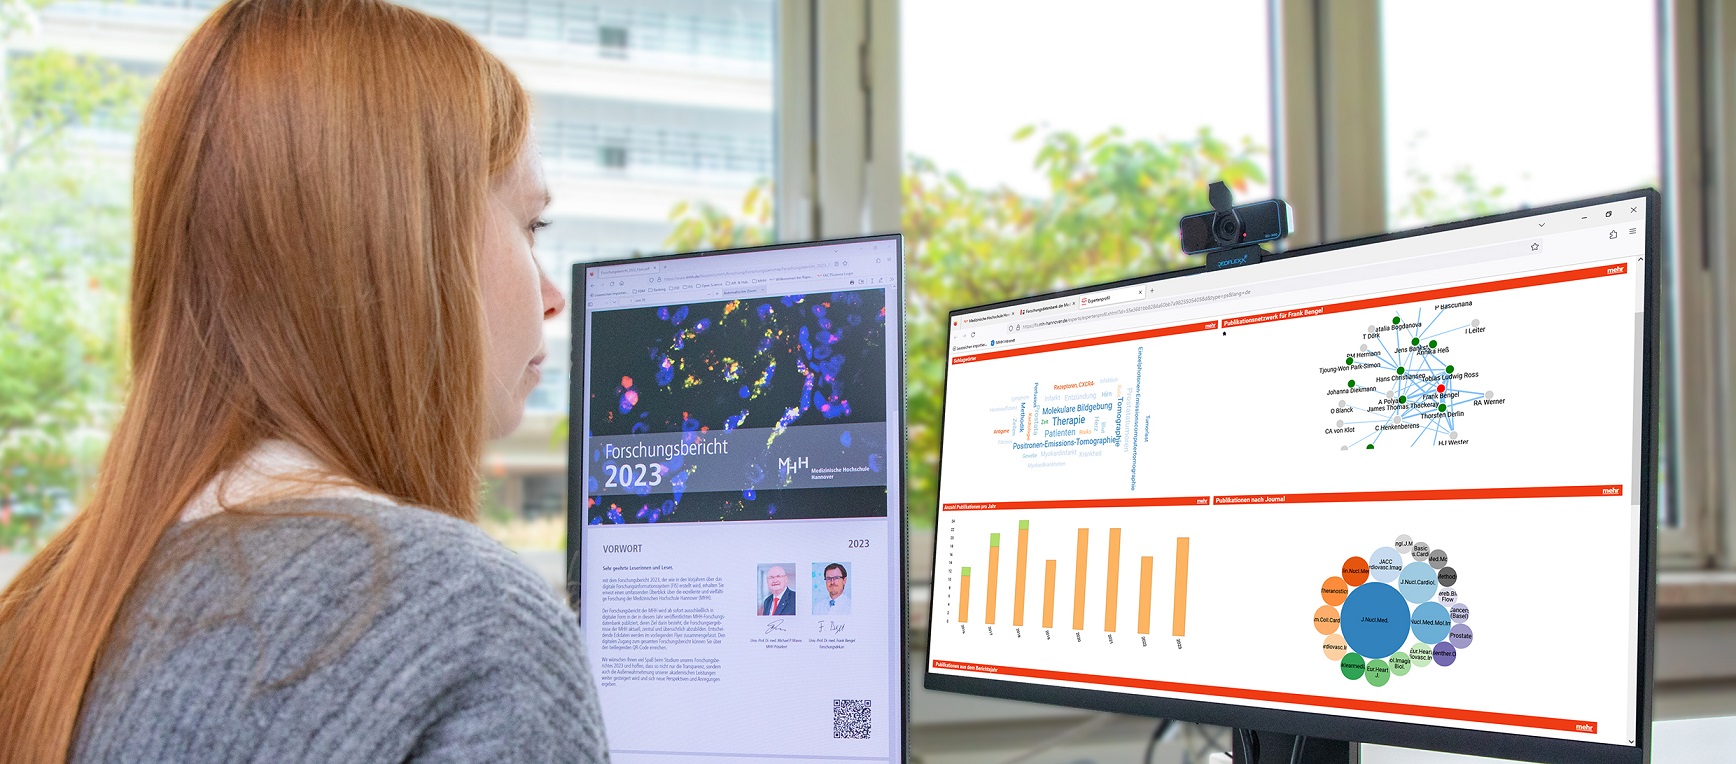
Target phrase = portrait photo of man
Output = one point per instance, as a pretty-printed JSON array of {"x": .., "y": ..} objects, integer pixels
[
  {"x": 779, "y": 599},
  {"x": 832, "y": 589}
]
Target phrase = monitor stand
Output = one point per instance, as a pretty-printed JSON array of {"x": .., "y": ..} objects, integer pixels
[{"x": 1274, "y": 748}]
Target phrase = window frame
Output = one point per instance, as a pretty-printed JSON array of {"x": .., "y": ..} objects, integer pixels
[{"x": 840, "y": 155}]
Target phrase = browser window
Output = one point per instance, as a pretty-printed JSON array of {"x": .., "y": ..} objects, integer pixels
[{"x": 1383, "y": 481}]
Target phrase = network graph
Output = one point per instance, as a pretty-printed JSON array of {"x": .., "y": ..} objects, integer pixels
[{"x": 1404, "y": 385}]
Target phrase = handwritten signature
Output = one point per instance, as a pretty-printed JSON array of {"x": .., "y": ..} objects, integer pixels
[
  {"x": 831, "y": 626},
  {"x": 777, "y": 625}
]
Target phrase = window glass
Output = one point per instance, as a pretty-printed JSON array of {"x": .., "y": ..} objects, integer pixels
[
  {"x": 650, "y": 115},
  {"x": 1048, "y": 150},
  {"x": 1494, "y": 105}
]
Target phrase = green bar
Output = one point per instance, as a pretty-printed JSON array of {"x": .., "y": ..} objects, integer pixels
[
  {"x": 1024, "y": 525},
  {"x": 964, "y": 572},
  {"x": 994, "y": 539}
]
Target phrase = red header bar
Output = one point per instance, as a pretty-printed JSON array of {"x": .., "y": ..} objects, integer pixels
[
  {"x": 1143, "y": 334},
  {"x": 1434, "y": 294},
  {"x": 1140, "y": 501},
  {"x": 1486, "y": 717},
  {"x": 1538, "y": 492},
  {"x": 1520, "y": 282},
  {"x": 1440, "y": 494}
]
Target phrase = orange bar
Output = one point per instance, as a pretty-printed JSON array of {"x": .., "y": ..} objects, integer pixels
[
  {"x": 1378, "y": 706},
  {"x": 1616, "y": 269},
  {"x": 1019, "y": 574},
  {"x": 1146, "y": 501},
  {"x": 1114, "y": 579},
  {"x": 994, "y": 574},
  {"x": 964, "y": 597},
  {"x": 1535, "y": 492},
  {"x": 1048, "y": 594},
  {"x": 1079, "y": 582},
  {"x": 1145, "y": 595},
  {"x": 1181, "y": 545}
]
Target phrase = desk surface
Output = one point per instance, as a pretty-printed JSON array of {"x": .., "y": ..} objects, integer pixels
[{"x": 1681, "y": 741}]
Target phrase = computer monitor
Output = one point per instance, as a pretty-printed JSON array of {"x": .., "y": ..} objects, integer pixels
[
  {"x": 1398, "y": 490},
  {"x": 735, "y": 533}
]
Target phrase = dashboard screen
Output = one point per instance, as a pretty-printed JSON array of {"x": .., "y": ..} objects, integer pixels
[{"x": 1397, "y": 481}]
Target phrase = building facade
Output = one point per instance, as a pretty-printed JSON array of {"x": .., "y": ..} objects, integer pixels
[{"x": 640, "y": 106}]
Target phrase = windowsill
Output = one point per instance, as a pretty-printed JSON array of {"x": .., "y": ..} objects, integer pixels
[{"x": 1696, "y": 595}]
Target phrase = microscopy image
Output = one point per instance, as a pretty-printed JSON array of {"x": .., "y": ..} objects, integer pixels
[{"x": 781, "y": 377}]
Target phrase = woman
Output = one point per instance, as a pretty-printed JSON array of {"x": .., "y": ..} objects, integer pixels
[{"x": 334, "y": 303}]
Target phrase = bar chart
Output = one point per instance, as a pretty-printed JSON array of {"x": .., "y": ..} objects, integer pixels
[{"x": 1102, "y": 587}]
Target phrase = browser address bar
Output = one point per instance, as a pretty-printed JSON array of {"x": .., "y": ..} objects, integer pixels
[{"x": 1584, "y": 249}]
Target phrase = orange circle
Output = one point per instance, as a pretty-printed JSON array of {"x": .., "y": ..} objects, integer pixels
[
  {"x": 1335, "y": 648},
  {"x": 1326, "y": 619},
  {"x": 1355, "y": 571},
  {"x": 1334, "y": 591}
]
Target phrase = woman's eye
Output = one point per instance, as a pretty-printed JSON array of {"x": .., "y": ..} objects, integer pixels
[{"x": 540, "y": 224}]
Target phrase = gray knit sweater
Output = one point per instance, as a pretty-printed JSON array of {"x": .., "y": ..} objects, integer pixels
[{"x": 340, "y": 630}]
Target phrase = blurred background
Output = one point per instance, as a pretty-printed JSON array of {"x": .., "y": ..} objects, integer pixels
[{"x": 1020, "y": 146}]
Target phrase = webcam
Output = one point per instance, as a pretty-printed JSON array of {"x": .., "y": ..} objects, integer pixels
[{"x": 1228, "y": 226}]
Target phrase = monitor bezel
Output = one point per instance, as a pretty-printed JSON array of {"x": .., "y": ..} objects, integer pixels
[
  {"x": 1379, "y": 731},
  {"x": 576, "y": 390}
]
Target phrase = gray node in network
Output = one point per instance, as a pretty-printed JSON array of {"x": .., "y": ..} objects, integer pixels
[
  {"x": 1371, "y": 328},
  {"x": 1454, "y": 435},
  {"x": 1340, "y": 423},
  {"x": 1344, "y": 448},
  {"x": 1476, "y": 323},
  {"x": 1488, "y": 393},
  {"x": 1343, "y": 404},
  {"x": 1364, "y": 347}
]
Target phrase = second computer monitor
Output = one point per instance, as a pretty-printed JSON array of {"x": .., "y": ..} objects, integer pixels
[{"x": 1398, "y": 491}]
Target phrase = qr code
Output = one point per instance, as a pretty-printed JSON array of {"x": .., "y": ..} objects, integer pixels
[{"x": 852, "y": 719}]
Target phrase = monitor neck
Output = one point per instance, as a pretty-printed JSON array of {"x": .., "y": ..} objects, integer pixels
[{"x": 1275, "y": 748}]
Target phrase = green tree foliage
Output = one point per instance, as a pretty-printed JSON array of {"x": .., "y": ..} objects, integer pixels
[
  {"x": 1111, "y": 213},
  {"x": 63, "y": 269}
]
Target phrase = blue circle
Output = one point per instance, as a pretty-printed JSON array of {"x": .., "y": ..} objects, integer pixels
[
  {"x": 1375, "y": 620},
  {"x": 1431, "y": 622},
  {"x": 1417, "y": 583},
  {"x": 1385, "y": 564}
]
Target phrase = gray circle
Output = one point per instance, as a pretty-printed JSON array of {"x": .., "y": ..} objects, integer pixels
[
  {"x": 1371, "y": 329},
  {"x": 1438, "y": 559},
  {"x": 1454, "y": 435},
  {"x": 1344, "y": 448},
  {"x": 1401, "y": 543},
  {"x": 1475, "y": 323},
  {"x": 1340, "y": 423},
  {"x": 1448, "y": 576},
  {"x": 1447, "y": 596},
  {"x": 1419, "y": 551},
  {"x": 1365, "y": 347},
  {"x": 1343, "y": 405},
  {"x": 1488, "y": 393}
]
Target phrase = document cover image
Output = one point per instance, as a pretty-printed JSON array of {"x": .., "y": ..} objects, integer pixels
[{"x": 761, "y": 408}]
